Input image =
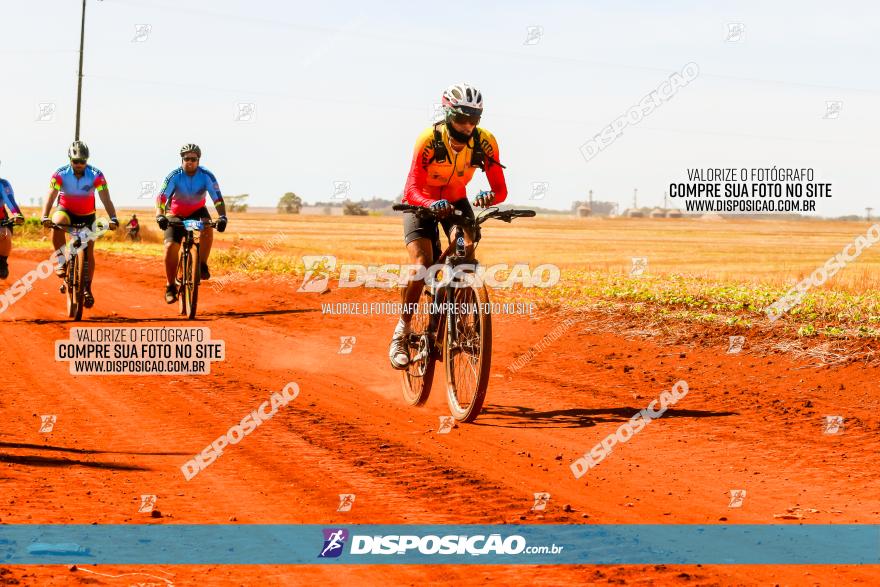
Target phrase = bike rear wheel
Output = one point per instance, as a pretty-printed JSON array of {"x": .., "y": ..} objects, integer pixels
[
  {"x": 419, "y": 374},
  {"x": 468, "y": 352}
]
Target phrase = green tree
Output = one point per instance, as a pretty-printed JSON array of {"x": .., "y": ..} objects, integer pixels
[
  {"x": 236, "y": 203},
  {"x": 353, "y": 209},
  {"x": 290, "y": 203}
]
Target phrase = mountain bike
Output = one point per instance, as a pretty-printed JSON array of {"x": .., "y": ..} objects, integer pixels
[
  {"x": 189, "y": 273},
  {"x": 76, "y": 271},
  {"x": 457, "y": 329}
]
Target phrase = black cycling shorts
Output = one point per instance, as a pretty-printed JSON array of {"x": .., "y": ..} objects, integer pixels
[
  {"x": 87, "y": 219},
  {"x": 415, "y": 227},
  {"x": 175, "y": 234}
]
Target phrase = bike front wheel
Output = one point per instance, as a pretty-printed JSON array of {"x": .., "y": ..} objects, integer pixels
[
  {"x": 468, "y": 352},
  {"x": 80, "y": 272},
  {"x": 189, "y": 286},
  {"x": 419, "y": 373},
  {"x": 71, "y": 279}
]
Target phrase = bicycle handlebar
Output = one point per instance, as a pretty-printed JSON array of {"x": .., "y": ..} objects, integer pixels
[
  {"x": 493, "y": 212},
  {"x": 210, "y": 223},
  {"x": 69, "y": 227}
]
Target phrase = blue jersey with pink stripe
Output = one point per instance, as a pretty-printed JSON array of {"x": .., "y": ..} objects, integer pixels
[
  {"x": 183, "y": 194},
  {"x": 7, "y": 199},
  {"x": 77, "y": 194}
]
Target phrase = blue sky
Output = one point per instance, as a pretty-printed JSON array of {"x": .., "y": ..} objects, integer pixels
[{"x": 340, "y": 92}]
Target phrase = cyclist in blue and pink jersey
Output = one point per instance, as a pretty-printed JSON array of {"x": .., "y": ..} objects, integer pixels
[
  {"x": 183, "y": 195},
  {"x": 7, "y": 200},
  {"x": 75, "y": 185}
]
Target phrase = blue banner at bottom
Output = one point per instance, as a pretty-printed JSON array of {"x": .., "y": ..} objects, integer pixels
[{"x": 257, "y": 544}]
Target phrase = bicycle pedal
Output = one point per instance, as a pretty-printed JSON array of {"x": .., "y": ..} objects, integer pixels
[{"x": 63, "y": 288}]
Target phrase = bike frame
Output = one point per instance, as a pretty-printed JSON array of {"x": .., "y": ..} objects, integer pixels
[
  {"x": 78, "y": 233},
  {"x": 193, "y": 229},
  {"x": 191, "y": 237},
  {"x": 454, "y": 255}
]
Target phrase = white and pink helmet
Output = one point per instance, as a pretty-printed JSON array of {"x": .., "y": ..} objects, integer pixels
[{"x": 463, "y": 98}]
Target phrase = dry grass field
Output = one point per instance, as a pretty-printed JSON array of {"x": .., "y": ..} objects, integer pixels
[{"x": 710, "y": 271}]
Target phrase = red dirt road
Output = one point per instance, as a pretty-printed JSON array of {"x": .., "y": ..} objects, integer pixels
[{"x": 749, "y": 422}]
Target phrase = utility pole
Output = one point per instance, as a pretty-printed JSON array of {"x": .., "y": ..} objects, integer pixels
[
  {"x": 635, "y": 198},
  {"x": 79, "y": 85},
  {"x": 591, "y": 199},
  {"x": 868, "y": 210},
  {"x": 665, "y": 196}
]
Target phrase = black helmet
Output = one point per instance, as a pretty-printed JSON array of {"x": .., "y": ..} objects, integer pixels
[
  {"x": 191, "y": 148},
  {"x": 78, "y": 150}
]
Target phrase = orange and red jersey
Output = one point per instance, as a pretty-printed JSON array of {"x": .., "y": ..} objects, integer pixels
[{"x": 429, "y": 181}]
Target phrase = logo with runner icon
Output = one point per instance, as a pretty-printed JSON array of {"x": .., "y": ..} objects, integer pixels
[
  {"x": 737, "y": 497},
  {"x": 346, "y": 500},
  {"x": 317, "y": 273},
  {"x": 334, "y": 542},
  {"x": 735, "y": 344},
  {"x": 47, "y": 423},
  {"x": 639, "y": 266},
  {"x": 542, "y": 498},
  {"x": 346, "y": 344},
  {"x": 833, "y": 424},
  {"x": 148, "y": 503},
  {"x": 447, "y": 423}
]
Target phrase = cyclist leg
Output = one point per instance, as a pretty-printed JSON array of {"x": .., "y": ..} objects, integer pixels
[
  {"x": 172, "y": 237},
  {"x": 5, "y": 247},
  {"x": 89, "y": 219},
  {"x": 88, "y": 297},
  {"x": 61, "y": 217},
  {"x": 421, "y": 236},
  {"x": 90, "y": 251},
  {"x": 421, "y": 253}
]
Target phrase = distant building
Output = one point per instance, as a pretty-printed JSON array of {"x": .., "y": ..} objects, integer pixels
[{"x": 583, "y": 211}]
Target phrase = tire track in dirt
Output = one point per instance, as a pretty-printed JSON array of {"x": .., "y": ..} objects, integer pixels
[{"x": 744, "y": 422}]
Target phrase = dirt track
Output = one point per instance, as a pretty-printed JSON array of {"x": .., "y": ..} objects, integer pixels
[{"x": 749, "y": 422}]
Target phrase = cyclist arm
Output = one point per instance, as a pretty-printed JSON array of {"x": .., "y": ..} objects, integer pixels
[
  {"x": 418, "y": 173},
  {"x": 54, "y": 189},
  {"x": 494, "y": 171},
  {"x": 216, "y": 196},
  {"x": 104, "y": 194},
  {"x": 168, "y": 188},
  {"x": 9, "y": 198}
]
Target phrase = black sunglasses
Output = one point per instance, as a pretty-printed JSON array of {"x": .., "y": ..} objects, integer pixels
[
  {"x": 465, "y": 119},
  {"x": 78, "y": 161},
  {"x": 190, "y": 158}
]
